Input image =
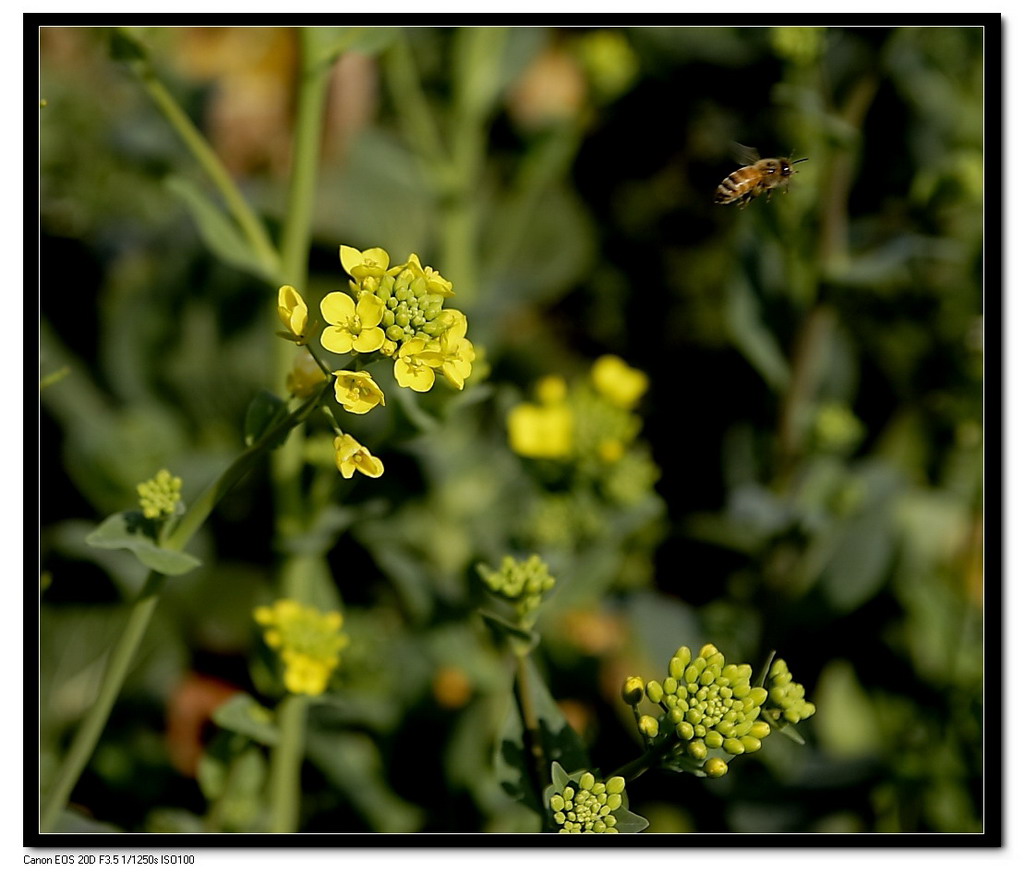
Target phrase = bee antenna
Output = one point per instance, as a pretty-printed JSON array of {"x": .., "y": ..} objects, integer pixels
[{"x": 799, "y": 160}]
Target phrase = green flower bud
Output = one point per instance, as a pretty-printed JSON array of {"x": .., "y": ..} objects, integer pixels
[
  {"x": 697, "y": 749},
  {"x": 616, "y": 785},
  {"x": 733, "y": 746},
  {"x": 750, "y": 744},
  {"x": 648, "y": 726},
  {"x": 684, "y": 730},
  {"x": 760, "y": 729},
  {"x": 758, "y": 695},
  {"x": 587, "y": 781},
  {"x": 713, "y": 740},
  {"x": 654, "y": 691},
  {"x": 707, "y": 650},
  {"x": 633, "y": 690},
  {"x": 614, "y": 802},
  {"x": 675, "y": 668},
  {"x": 557, "y": 803},
  {"x": 670, "y": 685},
  {"x": 716, "y": 768},
  {"x": 675, "y": 715}
]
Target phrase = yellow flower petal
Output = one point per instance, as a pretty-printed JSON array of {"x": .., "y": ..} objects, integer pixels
[
  {"x": 338, "y": 308},
  {"x": 369, "y": 340},
  {"x": 337, "y": 340}
]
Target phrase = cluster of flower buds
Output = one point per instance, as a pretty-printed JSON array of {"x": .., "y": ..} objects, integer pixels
[
  {"x": 522, "y": 583},
  {"x": 711, "y": 707},
  {"x": 160, "y": 496},
  {"x": 589, "y": 806},
  {"x": 786, "y": 697}
]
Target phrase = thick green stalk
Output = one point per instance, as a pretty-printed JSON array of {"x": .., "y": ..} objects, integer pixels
[
  {"x": 88, "y": 734},
  {"x": 286, "y": 468},
  {"x": 286, "y": 764},
  {"x": 313, "y": 78},
  {"x": 532, "y": 737},
  {"x": 286, "y": 759},
  {"x": 650, "y": 758}
]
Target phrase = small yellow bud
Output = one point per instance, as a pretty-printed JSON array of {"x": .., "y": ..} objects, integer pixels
[
  {"x": 648, "y": 725},
  {"x": 716, "y": 768},
  {"x": 633, "y": 690}
]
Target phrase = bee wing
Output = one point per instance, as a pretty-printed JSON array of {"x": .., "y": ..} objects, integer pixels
[{"x": 744, "y": 155}]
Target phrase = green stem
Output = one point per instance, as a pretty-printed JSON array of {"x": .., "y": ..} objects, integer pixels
[
  {"x": 286, "y": 764},
  {"x": 532, "y": 737},
  {"x": 650, "y": 758},
  {"x": 248, "y": 221},
  {"x": 286, "y": 467},
  {"x": 88, "y": 734},
  {"x": 314, "y": 76}
]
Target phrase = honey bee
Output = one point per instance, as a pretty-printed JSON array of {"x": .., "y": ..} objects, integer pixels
[{"x": 760, "y": 175}]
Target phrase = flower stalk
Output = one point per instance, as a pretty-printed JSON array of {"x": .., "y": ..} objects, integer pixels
[{"x": 87, "y": 736}]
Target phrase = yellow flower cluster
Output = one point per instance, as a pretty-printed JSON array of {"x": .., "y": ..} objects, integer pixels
[
  {"x": 308, "y": 641},
  {"x": 581, "y": 422},
  {"x": 395, "y": 311},
  {"x": 398, "y": 312}
]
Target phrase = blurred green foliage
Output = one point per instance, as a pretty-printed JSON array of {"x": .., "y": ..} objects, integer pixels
[{"x": 814, "y": 411}]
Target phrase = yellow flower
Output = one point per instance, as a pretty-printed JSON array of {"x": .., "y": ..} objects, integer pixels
[
  {"x": 352, "y": 325},
  {"x": 350, "y": 456},
  {"x": 618, "y": 382},
  {"x": 305, "y": 375},
  {"x": 357, "y": 392},
  {"x": 435, "y": 283},
  {"x": 551, "y": 390},
  {"x": 292, "y": 311},
  {"x": 457, "y": 352},
  {"x": 541, "y": 431},
  {"x": 373, "y": 262},
  {"x": 309, "y": 642},
  {"x": 414, "y": 365}
]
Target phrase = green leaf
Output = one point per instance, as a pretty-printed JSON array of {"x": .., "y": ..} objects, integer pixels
[
  {"x": 559, "y": 778},
  {"x": 522, "y": 641},
  {"x": 352, "y": 763},
  {"x": 331, "y": 42},
  {"x": 71, "y": 822},
  {"x": 231, "y": 775},
  {"x": 627, "y": 822},
  {"x": 243, "y": 715},
  {"x": 130, "y": 530},
  {"x": 265, "y": 411},
  {"x": 126, "y": 46},
  {"x": 217, "y": 230},
  {"x": 752, "y": 337}
]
